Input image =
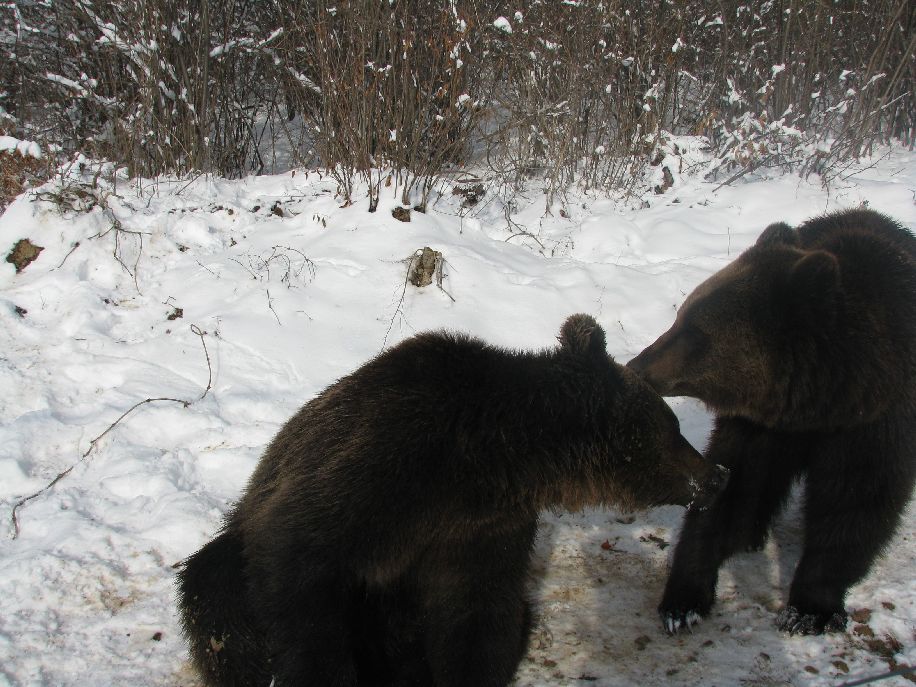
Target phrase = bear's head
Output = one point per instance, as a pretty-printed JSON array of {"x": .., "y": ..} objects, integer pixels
[
  {"x": 746, "y": 341},
  {"x": 651, "y": 463}
]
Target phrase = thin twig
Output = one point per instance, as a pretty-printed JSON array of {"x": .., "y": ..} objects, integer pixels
[
  {"x": 270, "y": 304},
  {"x": 864, "y": 169},
  {"x": 307, "y": 262},
  {"x": 137, "y": 263},
  {"x": 522, "y": 231},
  {"x": 397, "y": 310},
  {"x": 207, "y": 268},
  {"x": 94, "y": 442},
  {"x": 197, "y": 330},
  {"x": 75, "y": 246},
  {"x": 92, "y": 445},
  {"x": 908, "y": 670},
  {"x": 527, "y": 233},
  {"x": 738, "y": 175},
  {"x": 247, "y": 269},
  {"x": 22, "y": 502},
  {"x": 119, "y": 229},
  {"x": 194, "y": 178},
  {"x": 440, "y": 277}
]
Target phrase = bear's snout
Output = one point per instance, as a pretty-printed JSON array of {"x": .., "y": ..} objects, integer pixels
[
  {"x": 663, "y": 365},
  {"x": 646, "y": 365},
  {"x": 701, "y": 479}
]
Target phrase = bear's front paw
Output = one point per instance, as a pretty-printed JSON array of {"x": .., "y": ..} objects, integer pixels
[
  {"x": 793, "y": 621},
  {"x": 676, "y": 620},
  {"x": 685, "y": 602}
]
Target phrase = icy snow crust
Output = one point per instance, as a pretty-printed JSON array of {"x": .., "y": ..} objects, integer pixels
[{"x": 289, "y": 304}]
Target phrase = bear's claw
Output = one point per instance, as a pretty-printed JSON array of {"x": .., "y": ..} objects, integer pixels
[
  {"x": 791, "y": 620},
  {"x": 675, "y": 620}
]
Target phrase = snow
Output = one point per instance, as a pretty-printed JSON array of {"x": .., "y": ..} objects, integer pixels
[
  {"x": 290, "y": 291},
  {"x": 24, "y": 148},
  {"x": 220, "y": 50},
  {"x": 502, "y": 24},
  {"x": 67, "y": 83}
]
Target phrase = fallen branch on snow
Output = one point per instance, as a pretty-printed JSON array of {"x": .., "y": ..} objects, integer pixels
[{"x": 94, "y": 442}]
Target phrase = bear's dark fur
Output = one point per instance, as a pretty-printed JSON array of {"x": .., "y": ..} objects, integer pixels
[
  {"x": 385, "y": 535},
  {"x": 805, "y": 348}
]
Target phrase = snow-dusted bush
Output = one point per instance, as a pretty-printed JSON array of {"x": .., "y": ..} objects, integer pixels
[
  {"x": 572, "y": 92},
  {"x": 583, "y": 90},
  {"x": 800, "y": 84},
  {"x": 384, "y": 87},
  {"x": 578, "y": 91},
  {"x": 160, "y": 86}
]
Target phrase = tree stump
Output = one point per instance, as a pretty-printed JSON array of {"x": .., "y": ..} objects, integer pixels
[{"x": 425, "y": 264}]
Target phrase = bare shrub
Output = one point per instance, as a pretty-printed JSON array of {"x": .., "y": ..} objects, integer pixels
[
  {"x": 396, "y": 93},
  {"x": 803, "y": 85},
  {"x": 384, "y": 86},
  {"x": 579, "y": 91},
  {"x": 160, "y": 86}
]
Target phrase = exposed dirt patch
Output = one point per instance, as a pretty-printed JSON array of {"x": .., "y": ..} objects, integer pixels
[
  {"x": 401, "y": 214},
  {"x": 23, "y": 253}
]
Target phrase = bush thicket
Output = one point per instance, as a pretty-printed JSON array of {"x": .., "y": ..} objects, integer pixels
[{"x": 574, "y": 92}]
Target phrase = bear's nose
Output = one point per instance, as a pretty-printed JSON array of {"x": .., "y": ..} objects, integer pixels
[{"x": 642, "y": 366}]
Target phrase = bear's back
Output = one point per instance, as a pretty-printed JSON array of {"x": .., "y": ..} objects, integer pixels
[
  {"x": 877, "y": 266},
  {"x": 424, "y": 407},
  {"x": 830, "y": 232},
  {"x": 877, "y": 261}
]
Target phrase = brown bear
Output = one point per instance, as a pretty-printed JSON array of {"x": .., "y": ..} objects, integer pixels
[
  {"x": 805, "y": 348},
  {"x": 384, "y": 537}
]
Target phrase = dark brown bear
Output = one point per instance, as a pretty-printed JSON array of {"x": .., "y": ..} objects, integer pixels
[
  {"x": 384, "y": 537},
  {"x": 805, "y": 348}
]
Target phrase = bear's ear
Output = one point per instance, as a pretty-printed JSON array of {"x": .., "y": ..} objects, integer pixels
[
  {"x": 815, "y": 284},
  {"x": 582, "y": 334},
  {"x": 779, "y": 233}
]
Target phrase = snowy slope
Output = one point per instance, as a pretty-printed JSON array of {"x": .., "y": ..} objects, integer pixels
[{"x": 289, "y": 291}]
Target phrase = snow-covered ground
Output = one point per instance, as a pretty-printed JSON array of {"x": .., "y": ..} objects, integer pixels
[{"x": 270, "y": 290}]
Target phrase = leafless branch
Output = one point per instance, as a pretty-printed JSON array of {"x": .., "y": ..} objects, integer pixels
[{"x": 94, "y": 442}]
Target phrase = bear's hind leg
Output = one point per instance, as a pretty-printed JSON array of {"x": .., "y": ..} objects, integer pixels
[
  {"x": 478, "y": 636},
  {"x": 856, "y": 492},
  {"x": 389, "y": 640},
  {"x": 227, "y": 646},
  {"x": 763, "y": 466},
  {"x": 309, "y": 621},
  {"x": 477, "y": 613}
]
